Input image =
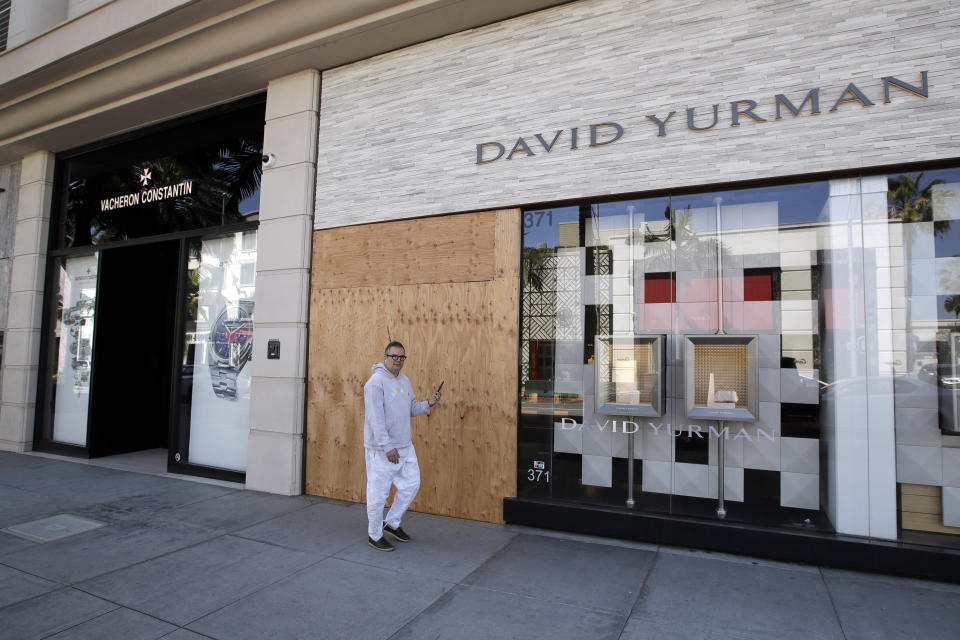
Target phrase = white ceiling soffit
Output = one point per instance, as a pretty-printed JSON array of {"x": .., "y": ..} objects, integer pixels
[{"x": 77, "y": 83}]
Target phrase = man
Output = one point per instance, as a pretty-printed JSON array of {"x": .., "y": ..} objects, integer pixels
[{"x": 388, "y": 403}]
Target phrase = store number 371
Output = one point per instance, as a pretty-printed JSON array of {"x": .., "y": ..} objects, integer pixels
[{"x": 539, "y": 472}]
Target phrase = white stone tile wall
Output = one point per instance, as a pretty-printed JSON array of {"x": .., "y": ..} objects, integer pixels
[
  {"x": 275, "y": 448},
  {"x": 398, "y": 132},
  {"x": 31, "y": 208},
  {"x": 10, "y": 182}
]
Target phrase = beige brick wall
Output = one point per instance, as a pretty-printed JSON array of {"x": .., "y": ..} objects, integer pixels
[{"x": 398, "y": 132}]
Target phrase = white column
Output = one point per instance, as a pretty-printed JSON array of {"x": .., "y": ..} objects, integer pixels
[
  {"x": 886, "y": 349},
  {"x": 275, "y": 452},
  {"x": 843, "y": 412},
  {"x": 22, "y": 339}
]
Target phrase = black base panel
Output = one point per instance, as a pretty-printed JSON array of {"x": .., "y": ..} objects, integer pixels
[{"x": 831, "y": 550}]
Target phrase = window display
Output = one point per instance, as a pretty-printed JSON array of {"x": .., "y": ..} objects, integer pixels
[
  {"x": 809, "y": 331},
  {"x": 77, "y": 279},
  {"x": 721, "y": 377},
  {"x": 217, "y": 351},
  {"x": 629, "y": 371},
  {"x": 604, "y": 283}
]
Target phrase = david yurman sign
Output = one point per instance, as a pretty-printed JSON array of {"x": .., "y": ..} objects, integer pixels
[{"x": 606, "y": 133}]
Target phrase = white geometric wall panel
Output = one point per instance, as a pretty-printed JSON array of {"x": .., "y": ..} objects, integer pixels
[
  {"x": 691, "y": 480},
  {"x": 656, "y": 476},
  {"x": 732, "y": 483},
  {"x": 800, "y": 490},
  {"x": 951, "y": 506},
  {"x": 567, "y": 440},
  {"x": 598, "y": 471},
  {"x": 918, "y": 465},
  {"x": 801, "y": 455},
  {"x": 951, "y": 467}
]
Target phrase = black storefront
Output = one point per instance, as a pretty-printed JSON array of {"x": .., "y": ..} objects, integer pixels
[{"x": 148, "y": 318}]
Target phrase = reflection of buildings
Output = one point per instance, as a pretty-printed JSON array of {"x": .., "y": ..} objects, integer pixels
[
  {"x": 74, "y": 341},
  {"x": 821, "y": 318},
  {"x": 226, "y": 268},
  {"x": 652, "y": 281}
]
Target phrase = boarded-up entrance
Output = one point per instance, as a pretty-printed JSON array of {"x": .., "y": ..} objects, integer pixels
[{"x": 447, "y": 288}]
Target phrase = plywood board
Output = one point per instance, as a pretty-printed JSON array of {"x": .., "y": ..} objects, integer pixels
[
  {"x": 456, "y": 248},
  {"x": 464, "y": 333}
]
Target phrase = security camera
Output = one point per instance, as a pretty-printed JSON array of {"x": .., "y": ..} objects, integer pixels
[{"x": 269, "y": 160}]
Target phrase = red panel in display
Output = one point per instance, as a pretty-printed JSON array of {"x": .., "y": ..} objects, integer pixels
[
  {"x": 757, "y": 286},
  {"x": 659, "y": 288}
]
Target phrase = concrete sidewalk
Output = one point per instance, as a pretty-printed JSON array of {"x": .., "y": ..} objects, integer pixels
[{"x": 169, "y": 558}]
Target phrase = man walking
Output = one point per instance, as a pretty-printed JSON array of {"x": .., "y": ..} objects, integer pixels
[{"x": 389, "y": 403}]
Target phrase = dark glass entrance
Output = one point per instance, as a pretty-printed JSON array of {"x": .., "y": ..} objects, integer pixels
[{"x": 133, "y": 349}]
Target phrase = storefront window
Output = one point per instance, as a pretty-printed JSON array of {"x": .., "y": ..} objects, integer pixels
[
  {"x": 765, "y": 341},
  {"x": 73, "y": 347},
  {"x": 218, "y": 344},
  {"x": 922, "y": 319}
]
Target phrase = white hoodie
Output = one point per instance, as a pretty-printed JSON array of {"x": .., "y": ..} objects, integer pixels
[{"x": 388, "y": 403}]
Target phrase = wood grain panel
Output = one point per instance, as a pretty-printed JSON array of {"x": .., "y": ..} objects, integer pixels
[
  {"x": 464, "y": 333},
  {"x": 457, "y": 248},
  {"x": 927, "y": 522},
  {"x": 919, "y": 489},
  {"x": 920, "y": 504},
  {"x": 921, "y": 509}
]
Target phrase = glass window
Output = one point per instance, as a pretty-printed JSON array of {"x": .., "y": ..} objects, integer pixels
[
  {"x": 218, "y": 348},
  {"x": 71, "y": 348},
  {"x": 921, "y": 315},
  {"x": 757, "y": 263}
]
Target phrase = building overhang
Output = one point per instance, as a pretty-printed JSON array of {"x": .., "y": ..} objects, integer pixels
[{"x": 114, "y": 70}]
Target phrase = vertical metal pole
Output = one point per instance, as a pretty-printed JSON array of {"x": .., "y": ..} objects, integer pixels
[
  {"x": 721, "y": 511},
  {"x": 630, "y": 436},
  {"x": 630, "y": 501},
  {"x": 720, "y": 331}
]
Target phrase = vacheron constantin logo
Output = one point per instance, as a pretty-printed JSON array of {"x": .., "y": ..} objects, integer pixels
[{"x": 147, "y": 194}]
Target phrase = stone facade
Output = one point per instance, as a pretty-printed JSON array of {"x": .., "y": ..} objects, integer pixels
[
  {"x": 398, "y": 133},
  {"x": 10, "y": 183}
]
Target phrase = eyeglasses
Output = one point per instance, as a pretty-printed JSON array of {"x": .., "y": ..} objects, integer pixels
[{"x": 396, "y": 358}]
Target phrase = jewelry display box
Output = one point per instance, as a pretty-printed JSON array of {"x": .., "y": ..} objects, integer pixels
[
  {"x": 629, "y": 374},
  {"x": 720, "y": 373}
]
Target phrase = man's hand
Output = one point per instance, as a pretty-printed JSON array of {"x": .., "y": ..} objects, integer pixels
[{"x": 393, "y": 456}]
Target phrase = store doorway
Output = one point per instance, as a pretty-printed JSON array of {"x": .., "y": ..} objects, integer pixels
[{"x": 133, "y": 349}]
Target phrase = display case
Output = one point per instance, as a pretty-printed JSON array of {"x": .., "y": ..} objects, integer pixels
[
  {"x": 629, "y": 374},
  {"x": 949, "y": 389},
  {"x": 720, "y": 373}
]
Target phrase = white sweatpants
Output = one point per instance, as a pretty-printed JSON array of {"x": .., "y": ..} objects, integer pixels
[{"x": 381, "y": 473}]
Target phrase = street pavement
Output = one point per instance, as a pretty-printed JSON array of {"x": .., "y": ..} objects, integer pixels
[{"x": 104, "y": 553}]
